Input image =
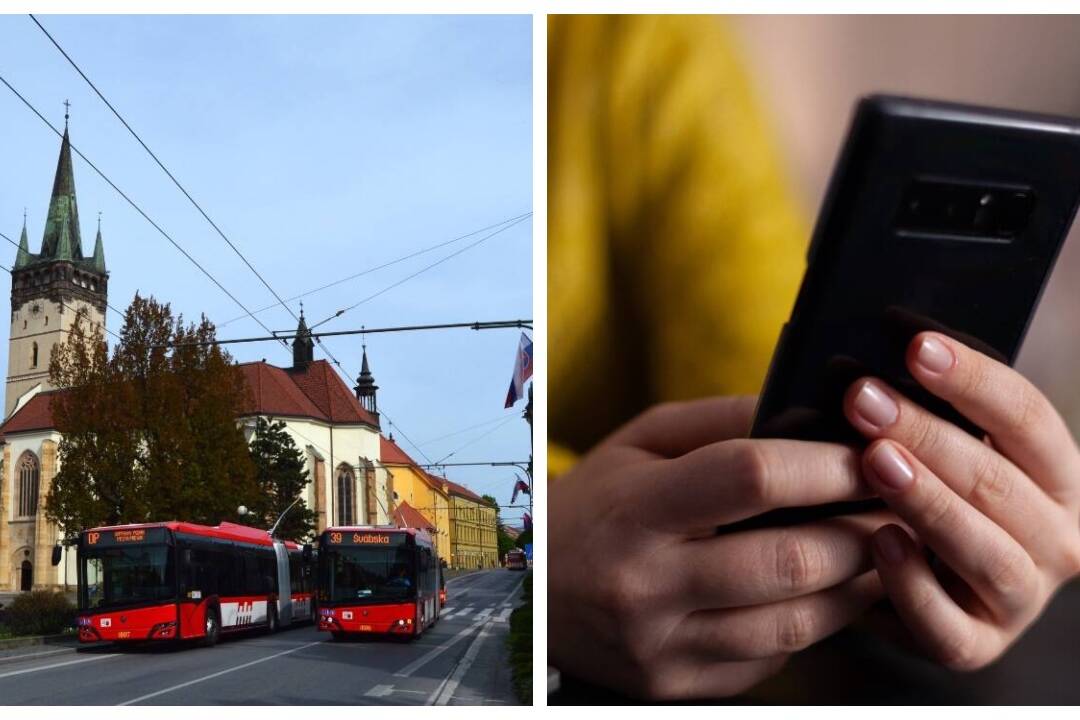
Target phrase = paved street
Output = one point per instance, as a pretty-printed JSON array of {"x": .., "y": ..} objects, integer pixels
[{"x": 462, "y": 660}]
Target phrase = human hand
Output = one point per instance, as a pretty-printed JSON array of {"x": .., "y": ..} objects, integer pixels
[
  {"x": 646, "y": 598},
  {"x": 1003, "y": 515}
]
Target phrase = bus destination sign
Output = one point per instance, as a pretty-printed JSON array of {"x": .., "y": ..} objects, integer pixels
[
  {"x": 125, "y": 536},
  {"x": 365, "y": 538}
]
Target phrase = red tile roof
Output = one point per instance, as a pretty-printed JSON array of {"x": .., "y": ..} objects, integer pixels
[
  {"x": 463, "y": 491},
  {"x": 406, "y": 516},
  {"x": 34, "y": 415},
  {"x": 316, "y": 391},
  {"x": 391, "y": 453}
]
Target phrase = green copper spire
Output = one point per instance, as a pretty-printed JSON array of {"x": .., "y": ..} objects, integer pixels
[
  {"x": 22, "y": 256},
  {"x": 61, "y": 240},
  {"x": 99, "y": 249}
]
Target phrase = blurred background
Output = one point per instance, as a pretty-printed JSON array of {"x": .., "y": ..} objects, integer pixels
[
  {"x": 809, "y": 70},
  {"x": 687, "y": 159}
]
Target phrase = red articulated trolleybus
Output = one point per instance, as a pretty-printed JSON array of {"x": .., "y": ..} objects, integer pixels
[
  {"x": 378, "y": 580},
  {"x": 181, "y": 581}
]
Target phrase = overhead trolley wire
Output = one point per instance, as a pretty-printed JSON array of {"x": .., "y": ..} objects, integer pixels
[
  {"x": 383, "y": 266},
  {"x": 165, "y": 169},
  {"x": 138, "y": 209}
]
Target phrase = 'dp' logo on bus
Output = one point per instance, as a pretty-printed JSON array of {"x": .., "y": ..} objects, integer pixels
[
  {"x": 335, "y": 538},
  {"x": 92, "y": 538}
]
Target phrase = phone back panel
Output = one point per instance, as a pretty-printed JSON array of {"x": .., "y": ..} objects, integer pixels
[{"x": 938, "y": 216}]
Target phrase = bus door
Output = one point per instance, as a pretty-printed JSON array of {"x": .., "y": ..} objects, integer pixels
[{"x": 284, "y": 584}]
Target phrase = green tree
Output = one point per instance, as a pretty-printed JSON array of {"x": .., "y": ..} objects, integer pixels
[
  {"x": 524, "y": 539},
  {"x": 148, "y": 433},
  {"x": 505, "y": 542},
  {"x": 281, "y": 475}
]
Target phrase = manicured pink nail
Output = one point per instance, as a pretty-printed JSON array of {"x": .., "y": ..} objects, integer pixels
[
  {"x": 891, "y": 467},
  {"x": 890, "y": 545},
  {"x": 875, "y": 406},
  {"x": 934, "y": 356}
]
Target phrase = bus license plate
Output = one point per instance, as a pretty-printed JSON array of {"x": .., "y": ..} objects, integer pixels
[
  {"x": 123, "y": 635},
  {"x": 365, "y": 628}
]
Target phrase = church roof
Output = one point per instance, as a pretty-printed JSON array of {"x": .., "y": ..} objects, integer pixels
[
  {"x": 34, "y": 415},
  {"x": 315, "y": 391}
]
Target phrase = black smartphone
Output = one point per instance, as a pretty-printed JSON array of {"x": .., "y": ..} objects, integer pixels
[{"x": 938, "y": 217}]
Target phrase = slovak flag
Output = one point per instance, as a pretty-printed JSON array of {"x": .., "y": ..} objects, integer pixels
[
  {"x": 523, "y": 370},
  {"x": 519, "y": 486}
]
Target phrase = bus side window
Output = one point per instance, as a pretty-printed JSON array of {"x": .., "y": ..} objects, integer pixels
[
  {"x": 295, "y": 580},
  {"x": 226, "y": 574},
  {"x": 205, "y": 571}
]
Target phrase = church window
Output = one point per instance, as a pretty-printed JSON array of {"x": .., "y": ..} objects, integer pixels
[
  {"x": 33, "y": 355},
  {"x": 28, "y": 475},
  {"x": 23, "y": 324},
  {"x": 46, "y": 319},
  {"x": 346, "y": 496}
]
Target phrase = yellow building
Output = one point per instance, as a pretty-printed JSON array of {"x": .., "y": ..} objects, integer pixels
[
  {"x": 424, "y": 492},
  {"x": 473, "y": 540}
]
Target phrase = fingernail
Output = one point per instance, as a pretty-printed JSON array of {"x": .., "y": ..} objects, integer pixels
[
  {"x": 875, "y": 406},
  {"x": 934, "y": 356},
  {"x": 890, "y": 546},
  {"x": 891, "y": 467}
]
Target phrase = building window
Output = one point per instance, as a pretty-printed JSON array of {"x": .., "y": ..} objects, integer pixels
[
  {"x": 346, "y": 496},
  {"x": 33, "y": 356},
  {"x": 27, "y": 476}
]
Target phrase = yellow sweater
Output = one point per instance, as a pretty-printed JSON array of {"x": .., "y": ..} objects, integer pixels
[{"x": 674, "y": 247}]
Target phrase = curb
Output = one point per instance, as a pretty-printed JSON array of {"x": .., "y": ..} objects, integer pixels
[{"x": 32, "y": 640}]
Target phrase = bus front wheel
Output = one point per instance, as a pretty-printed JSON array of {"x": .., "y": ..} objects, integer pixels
[{"x": 212, "y": 628}]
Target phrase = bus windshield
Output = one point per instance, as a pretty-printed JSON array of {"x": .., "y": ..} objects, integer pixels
[
  {"x": 369, "y": 574},
  {"x": 118, "y": 576}
]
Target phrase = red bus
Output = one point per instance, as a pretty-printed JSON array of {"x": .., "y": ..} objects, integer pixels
[
  {"x": 516, "y": 560},
  {"x": 181, "y": 581},
  {"x": 378, "y": 580}
]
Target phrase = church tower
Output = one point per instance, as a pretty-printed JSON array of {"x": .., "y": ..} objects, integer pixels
[
  {"x": 47, "y": 289},
  {"x": 366, "y": 388}
]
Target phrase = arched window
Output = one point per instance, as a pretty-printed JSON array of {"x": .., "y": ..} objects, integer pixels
[
  {"x": 27, "y": 475},
  {"x": 346, "y": 496},
  {"x": 33, "y": 356}
]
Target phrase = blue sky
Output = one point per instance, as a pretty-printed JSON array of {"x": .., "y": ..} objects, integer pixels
[{"x": 322, "y": 146}]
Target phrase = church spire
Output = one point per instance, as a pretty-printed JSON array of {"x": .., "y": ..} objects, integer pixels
[
  {"x": 99, "y": 249},
  {"x": 22, "y": 256},
  {"x": 303, "y": 347},
  {"x": 61, "y": 240},
  {"x": 366, "y": 388}
]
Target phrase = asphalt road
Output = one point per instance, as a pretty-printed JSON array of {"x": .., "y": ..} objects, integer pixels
[{"x": 462, "y": 660}]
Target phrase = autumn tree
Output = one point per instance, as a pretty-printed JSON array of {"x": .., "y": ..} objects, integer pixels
[
  {"x": 148, "y": 433},
  {"x": 281, "y": 475}
]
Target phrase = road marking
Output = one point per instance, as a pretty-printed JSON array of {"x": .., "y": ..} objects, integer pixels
[
  {"x": 440, "y": 649},
  {"x": 380, "y": 691},
  {"x": 504, "y": 616},
  {"x": 482, "y": 615},
  {"x": 445, "y": 692},
  {"x": 220, "y": 673},
  {"x": 465, "y": 612},
  {"x": 56, "y": 665},
  {"x": 436, "y": 651}
]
